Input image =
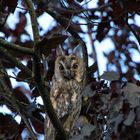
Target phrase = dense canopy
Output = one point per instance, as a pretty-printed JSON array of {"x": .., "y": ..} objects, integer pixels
[{"x": 111, "y": 102}]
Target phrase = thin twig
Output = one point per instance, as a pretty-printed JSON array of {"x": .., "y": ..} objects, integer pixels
[
  {"x": 86, "y": 3},
  {"x": 94, "y": 51},
  {"x": 16, "y": 78},
  {"x": 95, "y": 23},
  {"x": 132, "y": 30},
  {"x": 15, "y": 47},
  {"x": 22, "y": 8},
  {"x": 78, "y": 11}
]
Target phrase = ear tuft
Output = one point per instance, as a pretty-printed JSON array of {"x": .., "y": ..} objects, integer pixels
[
  {"x": 59, "y": 51},
  {"x": 78, "y": 51}
]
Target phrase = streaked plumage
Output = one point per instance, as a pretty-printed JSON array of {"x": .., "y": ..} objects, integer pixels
[{"x": 66, "y": 90}]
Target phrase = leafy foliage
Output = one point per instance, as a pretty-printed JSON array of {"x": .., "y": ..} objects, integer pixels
[{"x": 111, "y": 102}]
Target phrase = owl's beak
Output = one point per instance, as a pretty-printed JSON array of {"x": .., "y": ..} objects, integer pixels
[{"x": 68, "y": 75}]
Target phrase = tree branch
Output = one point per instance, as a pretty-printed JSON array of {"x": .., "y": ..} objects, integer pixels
[
  {"x": 94, "y": 52},
  {"x": 11, "y": 99},
  {"x": 70, "y": 29},
  {"x": 93, "y": 68},
  {"x": 32, "y": 13},
  {"x": 15, "y": 61},
  {"x": 80, "y": 10},
  {"x": 132, "y": 30},
  {"x": 15, "y": 47},
  {"x": 44, "y": 92}
]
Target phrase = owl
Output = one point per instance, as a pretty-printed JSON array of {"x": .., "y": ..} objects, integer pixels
[{"x": 67, "y": 85}]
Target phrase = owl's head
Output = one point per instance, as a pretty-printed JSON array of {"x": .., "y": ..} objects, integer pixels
[{"x": 69, "y": 67}]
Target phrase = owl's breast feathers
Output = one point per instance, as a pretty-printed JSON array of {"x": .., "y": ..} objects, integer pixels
[{"x": 66, "y": 97}]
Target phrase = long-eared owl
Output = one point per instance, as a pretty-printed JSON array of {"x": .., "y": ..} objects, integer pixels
[{"x": 67, "y": 86}]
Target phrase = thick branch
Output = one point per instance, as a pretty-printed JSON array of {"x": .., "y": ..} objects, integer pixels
[
  {"x": 15, "y": 47},
  {"x": 46, "y": 99},
  {"x": 93, "y": 68},
  {"x": 47, "y": 102},
  {"x": 70, "y": 29},
  {"x": 39, "y": 79},
  {"x": 15, "y": 61},
  {"x": 29, "y": 4}
]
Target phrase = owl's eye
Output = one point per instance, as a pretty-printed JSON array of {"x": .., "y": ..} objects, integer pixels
[
  {"x": 75, "y": 66},
  {"x": 61, "y": 67}
]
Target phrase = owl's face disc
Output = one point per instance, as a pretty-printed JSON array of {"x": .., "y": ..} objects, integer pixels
[{"x": 69, "y": 67}]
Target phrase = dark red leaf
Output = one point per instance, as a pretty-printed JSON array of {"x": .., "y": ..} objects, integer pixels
[
  {"x": 52, "y": 43},
  {"x": 19, "y": 93},
  {"x": 115, "y": 88},
  {"x": 135, "y": 7},
  {"x": 8, "y": 127},
  {"x": 118, "y": 15},
  {"x": 20, "y": 26},
  {"x": 11, "y": 4},
  {"x": 38, "y": 122},
  {"x": 103, "y": 29},
  {"x": 35, "y": 93},
  {"x": 22, "y": 75}
]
